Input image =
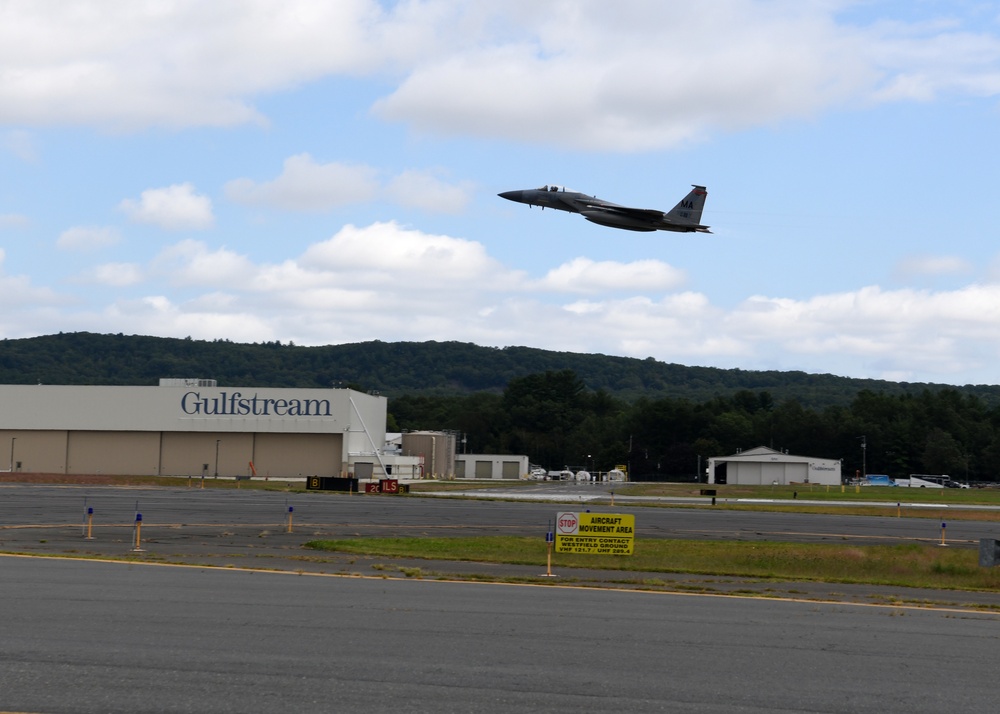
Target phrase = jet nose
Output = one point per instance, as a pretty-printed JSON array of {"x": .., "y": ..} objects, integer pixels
[{"x": 512, "y": 195}]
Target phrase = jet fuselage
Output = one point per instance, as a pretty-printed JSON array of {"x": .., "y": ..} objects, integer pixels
[{"x": 684, "y": 217}]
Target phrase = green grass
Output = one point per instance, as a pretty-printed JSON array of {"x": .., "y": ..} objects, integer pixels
[
  {"x": 819, "y": 492},
  {"x": 814, "y": 492},
  {"x": 911, "y": 565}
]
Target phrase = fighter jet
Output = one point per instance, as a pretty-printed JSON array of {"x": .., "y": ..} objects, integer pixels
[{"x": 685, "y": 217}]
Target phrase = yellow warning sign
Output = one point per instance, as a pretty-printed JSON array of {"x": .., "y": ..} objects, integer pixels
[{"x": 600, "y": 533}]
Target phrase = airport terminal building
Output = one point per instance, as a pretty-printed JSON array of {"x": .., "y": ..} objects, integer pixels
[{"x": 188, "y": 427}]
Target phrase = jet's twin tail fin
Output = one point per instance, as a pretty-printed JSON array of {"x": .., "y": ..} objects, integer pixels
[{"x": 688, "y": 211}]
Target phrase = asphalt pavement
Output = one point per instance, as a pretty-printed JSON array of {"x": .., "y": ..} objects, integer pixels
[
  {"x": 83, "y": 636},
  {"x": 250, "y": 529}
]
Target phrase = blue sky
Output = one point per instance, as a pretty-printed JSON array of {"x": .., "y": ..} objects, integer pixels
[{"x": 325, "y": 173}]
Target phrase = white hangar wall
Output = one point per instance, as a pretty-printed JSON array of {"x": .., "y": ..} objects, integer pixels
[
  {"x": 764, "y": 466},
  {"x": 187, "y": 431},
  {"x": 491, "y": 466}
]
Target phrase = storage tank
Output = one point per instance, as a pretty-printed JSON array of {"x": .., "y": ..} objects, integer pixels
[{"x": 437, "y": 450}]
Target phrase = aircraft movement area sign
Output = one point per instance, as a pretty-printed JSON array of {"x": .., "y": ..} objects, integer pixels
[{"x": 607, "y": 533}]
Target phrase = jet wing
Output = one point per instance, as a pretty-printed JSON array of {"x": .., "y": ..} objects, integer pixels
[
  {"x": 637, "y": 219},
  {"x": 649, "y": 214}
]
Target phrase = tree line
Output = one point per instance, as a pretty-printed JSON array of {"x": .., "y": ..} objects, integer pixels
[
  {"x": 558, "y": 422},
  {"x": 408, "y": 368},
  {"x": 567, "y": 409}
]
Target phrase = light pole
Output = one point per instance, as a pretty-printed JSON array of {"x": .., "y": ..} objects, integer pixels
[
  {"x": 217, "y": 457},
  {"x": 864, "y": 456},
  {"x": 12, "y": 440}
]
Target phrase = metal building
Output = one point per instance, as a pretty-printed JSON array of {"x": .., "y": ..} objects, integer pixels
[
  {"x": 764, "y": 466},
  {"x": 185, "y": 428},
  {"x": 436, "y": 450}
]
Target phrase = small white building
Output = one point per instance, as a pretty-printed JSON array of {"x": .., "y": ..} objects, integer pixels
[
  {"x": 764, "y": 466},
  {"x": 491, "y": 466}
]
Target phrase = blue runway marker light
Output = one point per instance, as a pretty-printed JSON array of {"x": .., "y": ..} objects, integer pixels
[
  {"x": 88, "y": 527},
  {"x": 138, "y": 533}
]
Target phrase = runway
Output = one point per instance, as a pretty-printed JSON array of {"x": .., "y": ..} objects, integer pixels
[
  {"x": 108, "y": 637},
  {"x": 89, "y": 636},
  {"x": 58, "y": 515},
  {"x": 249, "y": 529}
]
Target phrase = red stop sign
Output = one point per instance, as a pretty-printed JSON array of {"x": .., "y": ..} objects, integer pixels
[{"x": 567, "y": 523}]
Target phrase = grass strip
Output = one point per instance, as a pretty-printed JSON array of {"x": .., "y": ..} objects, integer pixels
[
  {"x": 818, "y": 492},
  {"x": 908, "y": 565}
]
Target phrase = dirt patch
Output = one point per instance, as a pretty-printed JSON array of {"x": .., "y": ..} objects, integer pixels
[{"x": 80, "y": 479}]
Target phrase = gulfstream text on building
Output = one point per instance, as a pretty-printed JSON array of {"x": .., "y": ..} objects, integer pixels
[{"x": 235, "y": 404}]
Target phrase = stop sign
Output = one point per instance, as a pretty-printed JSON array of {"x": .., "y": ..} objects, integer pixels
[{"x": 566, "y": 522}]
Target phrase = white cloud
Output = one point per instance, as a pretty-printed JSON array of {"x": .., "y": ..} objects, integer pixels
[
  {"x": 88, "y": 238},
  {"x": 22, "y": 299},
  {"x": 172, "y": 64},
  {"x": 21, "y": 144},
  {"x": 190, "y": 262},
  {"x": 384, "y": 281},
  {"x": 932, "y": 265},
  {"x": 199, "y": 319},
  {"x": 424, "y": 190},
  {"x": 305, "y": 185},
  {"x": 736, "y": 64},
  {"x": 116, "y": 275},
  {"x": 175, "y": 207},
  {"x": 586, "y": 73},
  {"x": 894, "y": 331},
  {"x": 13, "y": 220},
  {"x": 583, "y": 275},
  {"x": 416, "y": 261}
]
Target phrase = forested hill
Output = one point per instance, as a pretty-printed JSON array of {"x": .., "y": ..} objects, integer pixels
[{"x": 397, "y": 368}]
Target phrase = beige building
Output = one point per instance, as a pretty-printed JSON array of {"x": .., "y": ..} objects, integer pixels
[{"x": 185, "y": 428}]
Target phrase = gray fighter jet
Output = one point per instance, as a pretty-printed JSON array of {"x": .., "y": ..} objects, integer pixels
[{"x": 685, "y": 217}]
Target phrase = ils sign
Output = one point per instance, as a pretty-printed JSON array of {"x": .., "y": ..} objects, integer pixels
[{"x": 607, "y": 533}]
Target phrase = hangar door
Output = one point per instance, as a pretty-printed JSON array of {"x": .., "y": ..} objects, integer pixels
[
  {"x": 484, "y": 469},
  {"x": 772, "y": 473},
  {"x": 280, "y": 455},
  {"x": 123, "y": 453},
  {"x": 747, "y": 473},
  {"x": 797, "y": 473},
  {"x": 229, "y": 454}
]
